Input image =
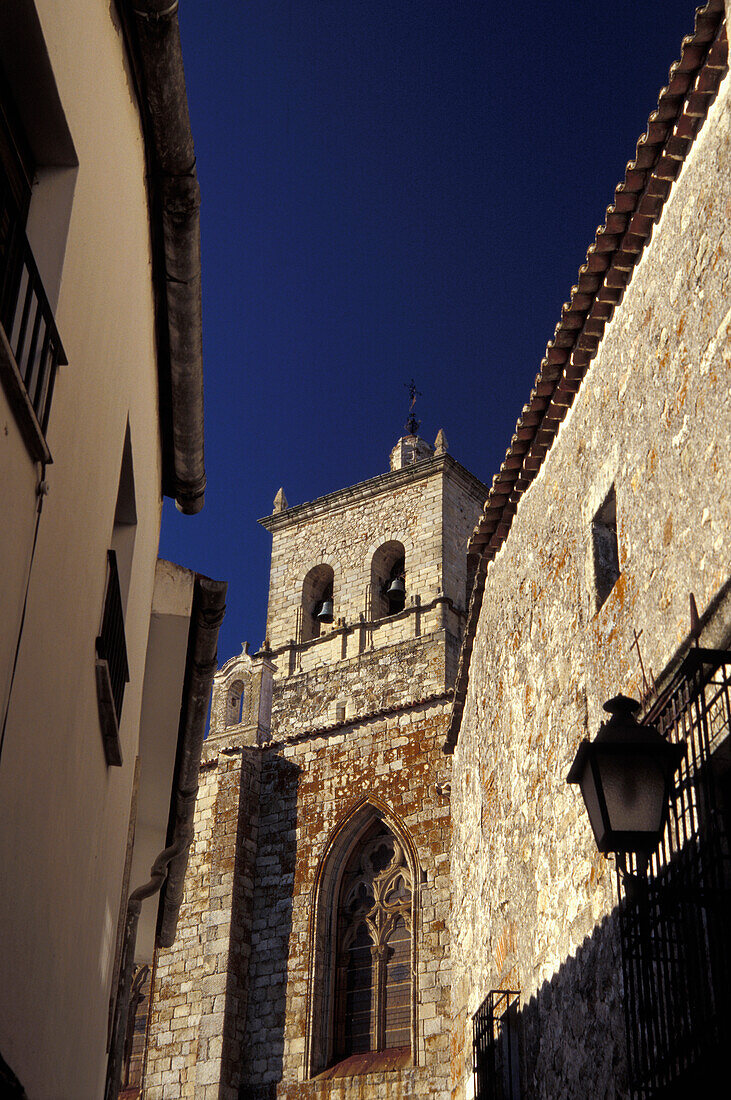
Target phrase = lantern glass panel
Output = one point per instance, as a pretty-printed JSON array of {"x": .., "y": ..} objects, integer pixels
[
  {"x": 634, "y": 785},
  {"x": 587, "y": 783}
]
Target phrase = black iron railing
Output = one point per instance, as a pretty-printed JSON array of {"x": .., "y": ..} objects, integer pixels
[
  {"x": 675, "y": 919},
  {"x": 496, "y": 1057},
  {"x": 25, "y": 314},
  {"x": 110, "y": 645}
]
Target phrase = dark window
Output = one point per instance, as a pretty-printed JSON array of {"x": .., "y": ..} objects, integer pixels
[
  {"x": 358, "y": 1007},
  {"x": 112, "y": 671},
  {"x": 495, "y": 1047},
  {"x": 235, "y": 702},
  {"x": 125, "y": 519},
  {"x": 397, "y": 1009},
  {"x": 606, "y": 548},
  {"x": 16, "y": 158},
  {"x": 373, "y": 979},
  {"x": 111, "y": 646}
]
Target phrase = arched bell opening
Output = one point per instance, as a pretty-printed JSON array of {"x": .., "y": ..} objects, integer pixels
[
  {"x": 318, "y": 608},
  {"x": 388, "y": 580},
  {"x": 235, "y": 700}
]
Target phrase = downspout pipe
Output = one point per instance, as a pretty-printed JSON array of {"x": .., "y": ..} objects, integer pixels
[
  {"x": 158, "y": 872},
  {"x": 176, "y": 199}
]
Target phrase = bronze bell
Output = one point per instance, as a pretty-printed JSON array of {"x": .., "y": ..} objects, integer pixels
[
  {"x": 324, "y": 613},
  {"x": 396, "y": 588}
]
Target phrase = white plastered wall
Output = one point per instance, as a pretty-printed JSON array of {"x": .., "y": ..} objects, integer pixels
[{"x": 65, "y": 814}]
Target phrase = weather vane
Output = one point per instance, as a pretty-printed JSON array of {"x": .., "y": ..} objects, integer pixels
[{"x": 412, "y": 424}]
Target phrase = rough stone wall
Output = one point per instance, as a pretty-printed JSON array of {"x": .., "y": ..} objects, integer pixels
[
  {"x": 461, "y": 512},
  {"x": 379, "y": 679},
  {"x": 536, "y": 901},
  {"x": 200, "y": 984},
  {"x": 307, "y": 788},
  {"x": 341, "y": 642}
]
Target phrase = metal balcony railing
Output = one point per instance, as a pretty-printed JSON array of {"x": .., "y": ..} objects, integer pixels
[
  {"x": 675, "y": 919},
  {"x": 496, "y": 1057},
  {"x": 25, "y": 313}
]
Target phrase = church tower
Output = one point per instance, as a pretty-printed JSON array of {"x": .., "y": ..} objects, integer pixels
[{"x": 312, "y": 957}]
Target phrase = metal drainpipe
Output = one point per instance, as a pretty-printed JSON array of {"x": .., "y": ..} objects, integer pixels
[{"x": 158, "y": 874}]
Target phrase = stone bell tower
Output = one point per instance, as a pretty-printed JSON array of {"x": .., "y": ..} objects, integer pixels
[{"x": 313, "y": 952}]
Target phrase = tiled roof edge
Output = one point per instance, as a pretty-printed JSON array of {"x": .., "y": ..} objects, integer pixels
[{"x": 639, "y": 199}]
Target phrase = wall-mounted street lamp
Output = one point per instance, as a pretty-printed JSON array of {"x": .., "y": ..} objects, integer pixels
[{"x": 625, "y": 775}]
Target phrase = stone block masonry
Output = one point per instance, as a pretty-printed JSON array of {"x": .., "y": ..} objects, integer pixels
[
  {"x": 651, "y": 420},
  {"x": 230, "y": 998},
  {"x": 379, "y": 679},
  {"x": 341, "y": 723},
  {"x": 307, "y": 789},
  {"x": 423, "y": 506},
  {"x": 200, "y": 985}
]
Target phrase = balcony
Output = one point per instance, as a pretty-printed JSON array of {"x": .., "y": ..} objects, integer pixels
[{"x": 30, "y": 347}]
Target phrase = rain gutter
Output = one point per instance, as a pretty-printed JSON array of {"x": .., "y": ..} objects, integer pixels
[{"x": 152, "y": 36}]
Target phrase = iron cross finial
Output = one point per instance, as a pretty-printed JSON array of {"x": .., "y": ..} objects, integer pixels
[{"x": 412, "y": 424}]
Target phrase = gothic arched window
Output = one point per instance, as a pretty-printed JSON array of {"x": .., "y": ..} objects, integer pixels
[
  {"x": 362, "y": 996},
  {"x": 372, "y": 997}
]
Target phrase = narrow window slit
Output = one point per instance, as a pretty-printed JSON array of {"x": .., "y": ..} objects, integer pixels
[{"x": 606, "y": 548}]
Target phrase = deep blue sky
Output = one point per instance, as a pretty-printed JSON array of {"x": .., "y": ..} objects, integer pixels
[{"x": 391, "y": 188}]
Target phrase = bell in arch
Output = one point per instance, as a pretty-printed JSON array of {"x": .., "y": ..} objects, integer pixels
[
  {"x": 324, "y": 612},
  {"x": 396, "y": 589}
]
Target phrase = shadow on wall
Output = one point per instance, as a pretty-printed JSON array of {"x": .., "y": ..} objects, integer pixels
[
  {"x": 663, "y": 955},
  {"x": 258, "y": 1065},
  {"x": 569, "y": 1040},
  {"x": 573, "y": 1029}
]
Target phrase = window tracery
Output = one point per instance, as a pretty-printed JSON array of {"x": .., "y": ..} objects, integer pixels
[{"x": 373, "y": 959}]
